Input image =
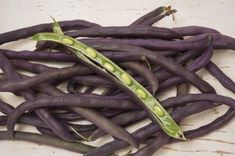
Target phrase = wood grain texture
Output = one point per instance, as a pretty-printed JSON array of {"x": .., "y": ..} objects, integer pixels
[{"x": 217, "y": 14}]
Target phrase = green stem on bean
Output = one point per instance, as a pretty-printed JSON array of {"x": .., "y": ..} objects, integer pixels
[{"x": 92, "y": 56}]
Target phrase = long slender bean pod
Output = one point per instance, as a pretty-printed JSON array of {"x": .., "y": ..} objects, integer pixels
[
  {"x": 149, "y": 15},
  {"x": 45, "y": 115},
  {"x": 163, "y": 74},
  {"x": 149, "y": 129},
  {"x": 98, "y": 119},
  {"x": 197, "y": 64},
  {"x": 200, "y": 41},
  {"x": 182, "y": 99},
  {"x": 47, "y": 140},
  {"x": 144, "y": 98},
  {"x": 121, "y": 119},
  {"x": 59, "y": 56},
  {"x": 29, "y": 31},
  {"x": 194, "y": 30},
  {"x": 152, "y": 20},
  {"x": 126, "y": 31},
  {"x": 46, "y": 76},
  {"x": 220, "y": 76},
  {"x": 160, "y": 140},
  {"x": 208, "y": 128}
]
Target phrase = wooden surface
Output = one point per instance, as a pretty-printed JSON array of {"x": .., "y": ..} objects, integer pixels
[{"x": 218, "y": 14}]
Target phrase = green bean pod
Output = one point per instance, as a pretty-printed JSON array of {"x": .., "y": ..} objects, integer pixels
[{"x": 90, "y": 55}]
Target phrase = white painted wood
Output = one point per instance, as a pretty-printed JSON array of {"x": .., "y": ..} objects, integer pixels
[{"x": 218, "y": 14}]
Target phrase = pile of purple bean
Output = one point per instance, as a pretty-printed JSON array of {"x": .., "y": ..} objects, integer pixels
[{"x": 159, "y": 58}]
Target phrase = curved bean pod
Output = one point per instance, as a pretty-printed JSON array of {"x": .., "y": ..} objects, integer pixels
[
  {"x": 47, "y": 140},
  {"x": 149, "y": 15},
  {"x": 29, "y": 31},
  {"x": 197, "y": 64},
  {"x": 182, "y": 99},
  {"x": 46, "y": 76},
  {"x": 220, "y": 76},
  {"x": 138, "y": 92},
  {"x": 45, "y": 115},
  {"x": 121, "y": 119},
  {"x": 194, "y": 30},
  {"x": 59, "y": 56},
  {"x": 152, "y": 20},
  {"x": 160, "y": 140},
  {"x": 96, "y": 118},
  {"x": 149, "y": 129},
  {"x": 126, "y": 31},
  {"x": 200, "y": 41}
]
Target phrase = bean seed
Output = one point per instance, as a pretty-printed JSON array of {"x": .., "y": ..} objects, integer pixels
[
  {"x": 158, "y": 110},
  {"x": 109, "y": 67},
  {"x": 141, "y": 94},
  {"x": 91, "y": 52},
  {"x": 126, "y": 79},
  {"x": 67, "y": 41}
]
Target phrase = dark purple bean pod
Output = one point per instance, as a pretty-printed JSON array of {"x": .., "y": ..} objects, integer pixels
[
  {"x": 5, "y": 108},
  {"x": 47, "y": 76},
  {"x": 78, "y": 100},
  {"x": 64, "y": 57},
  {"x": 191, "y": 134},
  {"x": 194, "y": 30},
  {"x": 218, "y": 123},
  {"x": 182, "y": 99},
  {"x": 197, "y": 64},
  {"x": 151, "y": 21},
  {"x": 182, "y": 89},
  {"x": 220, "y": 76},
  {"x": 108, "y": 126},
  {"x": 112, "y": 44},
  {"x": 29, "y": 31},
  {"x": 94, "y": 117},
  {"x": 47, "y": 140},
  {"x": 144, "y": 72},
  {"x": 68, "y": 116},
  {"x": 39, "y": 55},
  {"x": 160, "y": 140},
  {"x": 143, "y": 133},
  {"x": 163, "y": 74},
  {"x": 167, "y": 64},
  {"x": 3, "y": 120},
  {"x": 43, "y": 114},
  {"x": 126, "y": 31},
  {"x": 185, "y": 74},
  {"x": 91, "y": 80},
  {"x": 223, "y": 42},
  {"x": 98, "y": 119},
  {"x": 203, "y": 130},
  {"x": 153, "y": 13},
  {"x": 122, "y": 119}
]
